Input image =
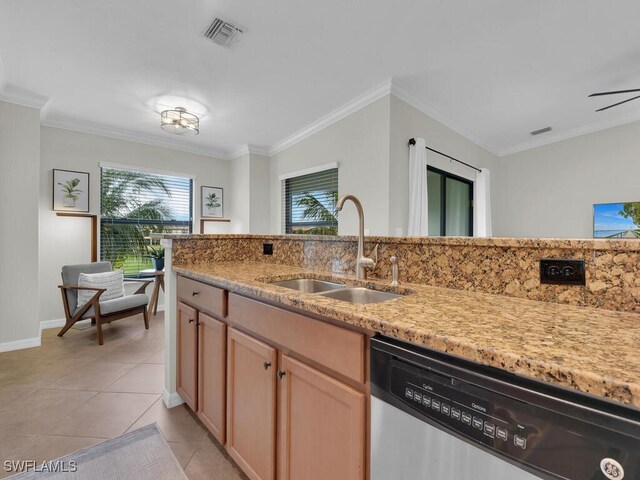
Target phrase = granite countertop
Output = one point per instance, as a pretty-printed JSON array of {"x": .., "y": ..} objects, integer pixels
[
  {"x": 589, "y": 350},
  {"x": 630, "y": 245}
]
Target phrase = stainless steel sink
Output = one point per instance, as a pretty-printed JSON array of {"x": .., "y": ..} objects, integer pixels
[
  {"x": 309, "y": 285},
  {"x": 360, "y": 295}
]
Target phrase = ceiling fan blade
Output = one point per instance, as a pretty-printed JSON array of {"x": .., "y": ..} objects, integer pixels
[
  {"x": 616, "y": 104},
  {"x": 614, "y": 92}
]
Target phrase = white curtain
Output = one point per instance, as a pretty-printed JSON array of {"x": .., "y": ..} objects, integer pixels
[
  {"x": 482, "y": 204},
  {"x": 418, "y": 206}
]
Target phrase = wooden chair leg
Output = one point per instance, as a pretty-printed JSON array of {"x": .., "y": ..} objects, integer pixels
[
  {"x": 99, "y": 328},
  {"x": 160, "y": 283},
  {"x": 153, "y": 302},
  {"x": 66, "y": 327},
  {"x": 145, "y": 314}
]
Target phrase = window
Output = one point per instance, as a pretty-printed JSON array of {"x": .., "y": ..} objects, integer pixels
[
  {"x": 450, "y": 204},
  {"x": 309, "y": 203},
  {"x": 134, "y": 205}
]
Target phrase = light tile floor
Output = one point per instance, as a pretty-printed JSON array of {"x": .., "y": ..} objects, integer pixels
[{"x": 71, "y": 393}]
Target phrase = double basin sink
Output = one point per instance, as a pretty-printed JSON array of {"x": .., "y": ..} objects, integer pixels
[{"x": 337, "y": 291}]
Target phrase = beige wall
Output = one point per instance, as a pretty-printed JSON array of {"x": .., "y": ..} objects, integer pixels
[
  {"x": 359, "y": 143},
  {"x": 407, "y": 122},
  {"x": 370, "y": 147},
  {"x": 66, "y": 241},
  {"x": 19, "y": 167},
  {"x": 549, "y": 191},
  {"x": 260, "y": 194},
  {"x": 250, "y": 178}
]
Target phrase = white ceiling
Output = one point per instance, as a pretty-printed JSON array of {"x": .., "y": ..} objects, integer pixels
[{"x": 495, "y": 69}]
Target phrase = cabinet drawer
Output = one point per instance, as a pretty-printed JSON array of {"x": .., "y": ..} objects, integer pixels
[
  {"x": 337, "y": 348},
  {"x": 204, "y": 297}
]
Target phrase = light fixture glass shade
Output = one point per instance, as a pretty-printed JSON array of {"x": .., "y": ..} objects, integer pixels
[{"x": 180, "y": 122}]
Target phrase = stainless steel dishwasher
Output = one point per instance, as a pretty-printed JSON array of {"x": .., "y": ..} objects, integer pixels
[{"x": 438, "y": 417}]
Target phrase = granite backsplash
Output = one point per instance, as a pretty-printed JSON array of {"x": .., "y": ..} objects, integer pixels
[{"x": 503, "y": 266}]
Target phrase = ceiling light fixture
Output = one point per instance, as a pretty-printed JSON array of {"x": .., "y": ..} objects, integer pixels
[{"x": 180, "y": 122}]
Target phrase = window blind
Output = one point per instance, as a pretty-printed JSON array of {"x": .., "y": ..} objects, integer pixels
[
  {"x": 309, "y": 203},
  {"x": 134, "y": 206}
]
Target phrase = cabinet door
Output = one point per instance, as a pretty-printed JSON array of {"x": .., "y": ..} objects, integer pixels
[
  {"x": 187, "y": 355},
  {"x": 212, "y": 339},
  {"x": 321, "y": 425},
  {"x": 251, "y": 399}
]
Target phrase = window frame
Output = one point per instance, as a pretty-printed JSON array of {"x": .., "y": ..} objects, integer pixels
[
  {"x": 288, "y": 223},
  {"x": 443, "y": 198},
  {"x": 147, "y": 171}
]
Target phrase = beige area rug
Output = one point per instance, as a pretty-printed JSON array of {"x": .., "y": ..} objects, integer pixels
[{"x": 143, "y": 454}]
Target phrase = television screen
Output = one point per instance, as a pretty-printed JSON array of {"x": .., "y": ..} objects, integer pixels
[{"x": 616, "y": 220}]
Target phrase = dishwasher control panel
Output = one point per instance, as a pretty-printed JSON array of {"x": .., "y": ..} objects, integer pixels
[
  {"x": 484, "y": 420},
  {"x": 547, "y": 440}
]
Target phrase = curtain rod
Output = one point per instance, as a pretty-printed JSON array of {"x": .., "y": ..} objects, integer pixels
[{"x": 413, "y": 142}]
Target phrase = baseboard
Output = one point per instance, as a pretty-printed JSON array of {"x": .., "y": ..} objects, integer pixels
[
  {"x": 59, "y": 322},
  {"x": 20, "y": 344},
  {"x": 171, "y": 399},
  {"x": 53, "y": 323}
]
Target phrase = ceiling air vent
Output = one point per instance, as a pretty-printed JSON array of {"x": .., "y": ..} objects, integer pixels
[
  {"x": 223, "y": 32},
  {"x": 541, "y": 131}
]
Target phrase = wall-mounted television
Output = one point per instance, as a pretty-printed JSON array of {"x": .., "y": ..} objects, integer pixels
[{"x": 616, "y": 220}]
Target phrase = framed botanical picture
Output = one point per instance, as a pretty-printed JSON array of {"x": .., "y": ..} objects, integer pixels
[
  {"x": 70, "y": 191},
  {"x": 212, "y": 202}
]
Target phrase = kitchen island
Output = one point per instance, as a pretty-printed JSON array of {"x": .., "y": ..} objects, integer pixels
[
  {"x": 281, "y": 374},
  {"x": 590, "y": 350}
]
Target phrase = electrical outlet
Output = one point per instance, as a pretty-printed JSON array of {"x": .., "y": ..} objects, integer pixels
[
  {"x": 267, "y": 248},
  {"x": 559, "y": 271}
]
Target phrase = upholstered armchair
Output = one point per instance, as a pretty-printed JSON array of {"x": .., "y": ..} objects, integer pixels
[{"x": 99, "y": 312}]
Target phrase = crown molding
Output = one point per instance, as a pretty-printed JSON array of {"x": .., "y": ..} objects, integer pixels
[
  {"x": 575, "y": 132},
  {"x": 247, "y": 149},
  {"x": 403, "y": 93},
  {"x": 332, "y": 117},
  {"x": 259, "y": 150},
  {"x": 25, "y": 98},
  {"x": 130, "y": 136},
  {"x": 239, "y": 152}
]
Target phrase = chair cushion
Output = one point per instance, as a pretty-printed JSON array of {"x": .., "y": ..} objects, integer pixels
[
  {"x": 121, "y": 304},
  {"x": 71, "y": 273},
  {"x": 113, "y": 282}
]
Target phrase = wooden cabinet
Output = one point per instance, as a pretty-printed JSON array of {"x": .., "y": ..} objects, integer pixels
[
  {"x": 321, "y": 425},
  {"x": 201, "y": 352},
  {"x": 203, "y": 297},
  {"x": 187, "y": 355},
  {"x": 212, "y": 347},
  {"x": 251, "y": 405},
  {"x": 286, "y": 393}
]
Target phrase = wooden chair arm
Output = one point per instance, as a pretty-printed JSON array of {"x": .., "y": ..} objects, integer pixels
[
  {"x": 78, "y": 287},
  {"x": 95, "y": 300}
]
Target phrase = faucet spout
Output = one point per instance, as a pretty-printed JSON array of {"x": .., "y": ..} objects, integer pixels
[{"x": 362, "y": 262}]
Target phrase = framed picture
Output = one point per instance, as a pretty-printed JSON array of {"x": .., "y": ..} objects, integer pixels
[
  {"x": 70, "y": 191},
  {"x": 212, "y": 202},
  {"x": 616, "y": 220}
]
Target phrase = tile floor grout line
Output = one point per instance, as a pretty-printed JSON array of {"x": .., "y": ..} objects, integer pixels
[
  {"x": 125, "y": 373},
  {"x": 68, "y": 436},
  {"x": 58, "y": 358},
  {"x": 200, "y": 442},
  {"x": 143, "y": 413}
]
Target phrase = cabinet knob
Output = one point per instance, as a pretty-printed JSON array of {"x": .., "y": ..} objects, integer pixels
[
  {"x": 194, "y": 293},
  {"x": 266, "y": 365},
  {"x": 281, "y": 373},
  {"x": 191, "y": 320}
]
